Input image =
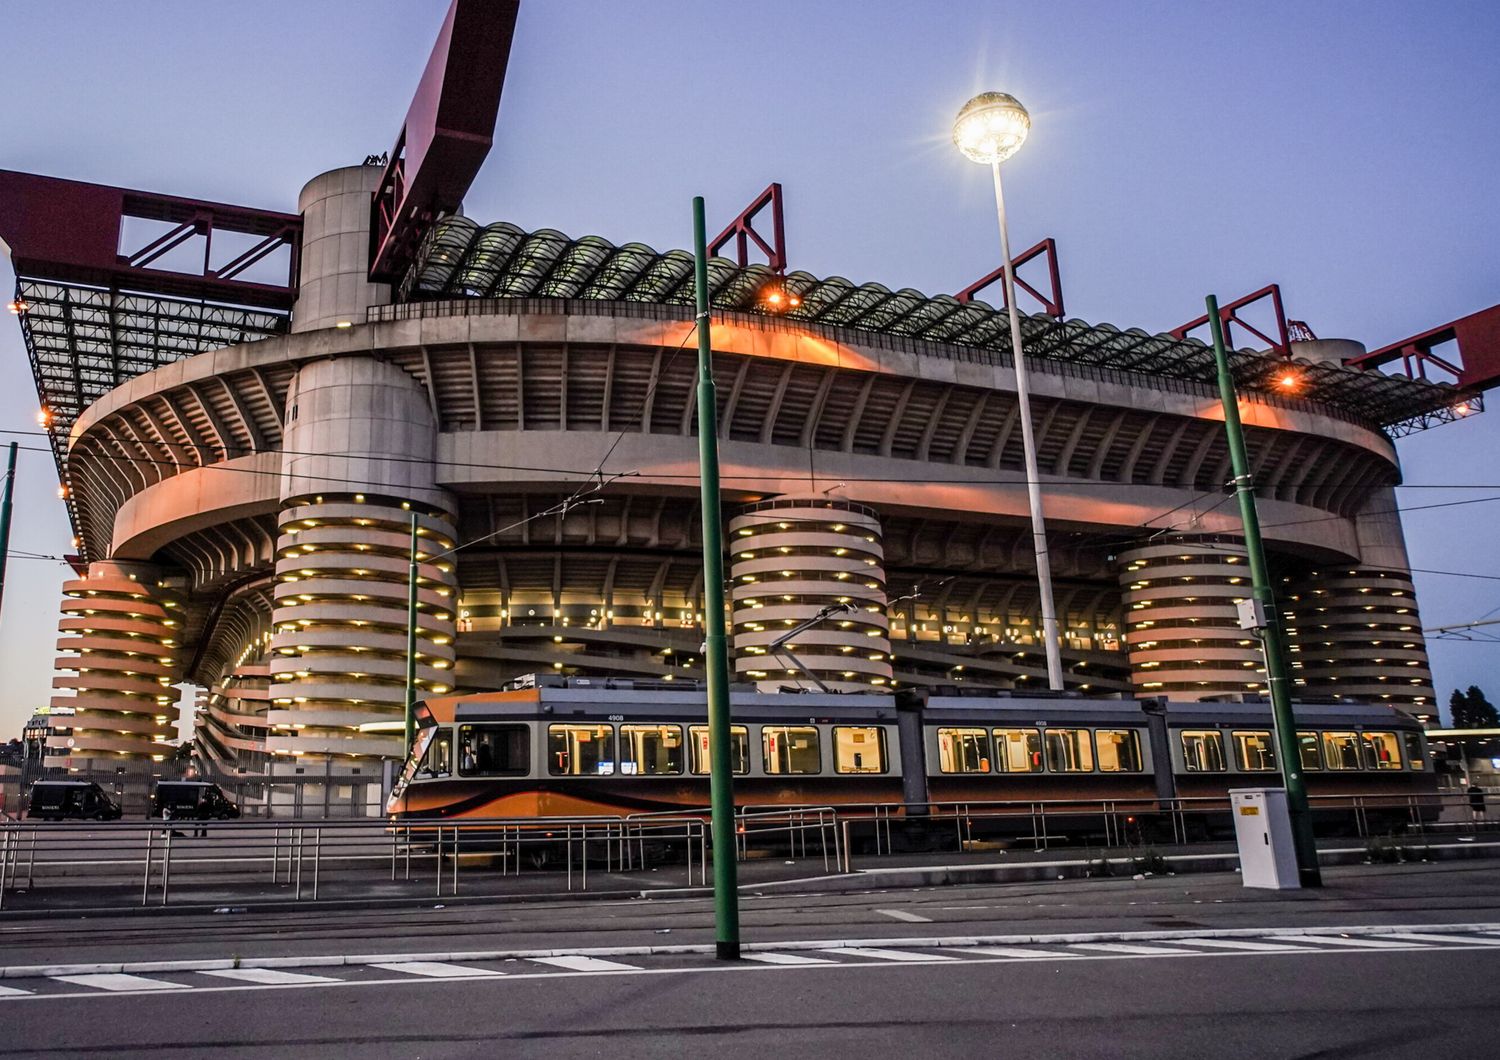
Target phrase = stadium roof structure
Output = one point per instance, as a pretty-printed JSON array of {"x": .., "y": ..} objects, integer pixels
[{"x": 461, "y": 259}]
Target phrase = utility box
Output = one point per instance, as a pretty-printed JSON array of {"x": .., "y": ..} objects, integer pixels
[{"x": 1263, "y": 830}]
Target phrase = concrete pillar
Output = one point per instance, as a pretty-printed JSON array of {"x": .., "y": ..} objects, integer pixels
[
  {"x": 1181, "y": 627},
  {"x": 358, "y": 462},
  {"x": 334, "y": 286},
  {"x": 118, "y": 657},
  {"x": 792, "y": 556},
  {"x": 1354, "y": 630}
]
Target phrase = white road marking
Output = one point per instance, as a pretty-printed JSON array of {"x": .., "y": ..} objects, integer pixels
[
  {"x": 902, "y": 914},
  {"x": 1013, "y": 951},
  {"x": 1462, "y": 940},
  {"x": 1240, "y": 944},
  {"x": 1357, "y": 943},
  {"x": 1120, "y": 947},
  {"x": 119, "y": 981},
  {"x": 873, "y": 953},
  {"x": 436, "y": 969},
  {"x": 10, "y": 991},
  {"x": 268, "y": 976},
  {"x": 783, "y": 958},
  {"x": 585, "y": 964}
]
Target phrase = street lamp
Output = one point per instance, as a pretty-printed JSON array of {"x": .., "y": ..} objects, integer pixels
[{"x": 989, "y": 129}]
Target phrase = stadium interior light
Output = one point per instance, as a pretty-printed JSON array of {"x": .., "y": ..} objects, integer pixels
[{"x": 991, "y": 127}]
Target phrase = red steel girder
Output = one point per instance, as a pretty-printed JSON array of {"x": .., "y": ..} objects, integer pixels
[
  {"x": 1478, "y": 338},
  {"x": 1229, "y": 316},
  {"x": 1052, "y": 304},
  {"x": 71, "y": 231},
  {"x": 447, "y": 132},
  {"x": 742, "y": 231}
]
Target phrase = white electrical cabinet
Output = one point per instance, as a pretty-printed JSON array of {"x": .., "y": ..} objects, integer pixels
[{"x": 1263, "y": 829}]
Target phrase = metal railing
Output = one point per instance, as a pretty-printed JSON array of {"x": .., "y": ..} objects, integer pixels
[{"x": 236, "y": 861}]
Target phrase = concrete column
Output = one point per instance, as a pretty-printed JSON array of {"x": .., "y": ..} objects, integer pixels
[
  {"x": 358, "y": 462},
  {"x": 789, "y": 558},
  {"x": 1181, "y": 627},
  {"x": 334, "y": 286},
  {"x": 1354, "y": 630},
  {"x": 117, "y": 660}
]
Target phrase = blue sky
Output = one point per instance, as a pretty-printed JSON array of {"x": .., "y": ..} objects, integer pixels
[{"x": 1346, "y": 151}]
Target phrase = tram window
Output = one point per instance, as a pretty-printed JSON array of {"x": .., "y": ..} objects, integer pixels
[
  {"x": 1309, "y": 750},
  {"x": 439, "y": 760},
  {"x": 1341, "y": 750},
  {"x": 580, "y": 750},
  {"x": 1381, "y": 750},
  {"x": 963, "y": 750},
  {"x": 1203, "y": 750},
  {"x": 790, "y": 749},
  {"x": 1414, "y": 756},
  {"x": 1119, "y": 750},
  {"x": 494, "y": 750},
  {"x": 651, "y": 750},
  {"x": 1254, "y": 752},
  {"x": 1018, "y": 750},
  {"x": 1069, "y": 751},
  {"x": 858, "y": 749},
  {"x": 739, "y": 749}
]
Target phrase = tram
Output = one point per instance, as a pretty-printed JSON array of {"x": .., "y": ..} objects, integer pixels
[{"x": 580, "y": 746}]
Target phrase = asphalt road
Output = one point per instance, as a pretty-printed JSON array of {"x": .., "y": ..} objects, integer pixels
[
  {"x": 1407, "y": 961},
  {"x": 1309, "y": 1001}
]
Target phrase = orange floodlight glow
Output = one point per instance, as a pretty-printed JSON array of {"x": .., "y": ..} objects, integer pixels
[
  {"x": 778, "y": 299},
  {"x": 1463, "y": 408},
  {"x": 18, "y": 307},
  {"x": 1288, "y": 381}
]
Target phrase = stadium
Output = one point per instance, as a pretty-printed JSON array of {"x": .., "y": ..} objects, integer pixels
[{"x": 242, "y": 460}]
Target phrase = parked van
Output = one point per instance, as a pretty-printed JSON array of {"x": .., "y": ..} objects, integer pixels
[
  {"x": 191, "y": 800},
  {"x": 71, "y": 800}
]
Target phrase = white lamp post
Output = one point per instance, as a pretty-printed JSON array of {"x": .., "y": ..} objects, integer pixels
[{"x": 989, "y": 129}]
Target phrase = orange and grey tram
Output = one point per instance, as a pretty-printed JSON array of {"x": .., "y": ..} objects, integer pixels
[{"x": 576, "y": 747}]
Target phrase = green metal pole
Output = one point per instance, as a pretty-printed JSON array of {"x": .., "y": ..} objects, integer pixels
[
  {"x": 411, "y": 639},
  {"x": 1288, "y": 752},
  {"x": 10, "y": 485},
  {"x": 721, "y": 767}
]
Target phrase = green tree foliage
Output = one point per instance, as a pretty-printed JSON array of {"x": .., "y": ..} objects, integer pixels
[{"x": 1471, "y": 710}]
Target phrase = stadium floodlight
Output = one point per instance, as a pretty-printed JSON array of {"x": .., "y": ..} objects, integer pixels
[{"x": 989, "y": 129}]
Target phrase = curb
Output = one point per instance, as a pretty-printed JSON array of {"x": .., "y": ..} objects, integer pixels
[{"x": 946, "y": 942}]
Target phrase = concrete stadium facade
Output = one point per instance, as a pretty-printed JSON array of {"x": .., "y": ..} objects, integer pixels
[{"x": 246, "y": 512}]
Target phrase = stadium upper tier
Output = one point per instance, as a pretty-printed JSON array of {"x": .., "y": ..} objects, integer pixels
[{"x": 461, "y": 259}]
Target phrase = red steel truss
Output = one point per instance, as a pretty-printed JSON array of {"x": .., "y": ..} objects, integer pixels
[
  {"x": 72, "y": 232},
  {"x": 1478, "y": 339},
  {"x": 742, "y": 231},
  {"x": 1051, "y": 303},
  {"x": 447, "y": 132},
  {"x": 1229, "y": 315}
]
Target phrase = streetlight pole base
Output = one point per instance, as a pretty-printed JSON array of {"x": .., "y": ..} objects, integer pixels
[{"x": 727, "y": 951}]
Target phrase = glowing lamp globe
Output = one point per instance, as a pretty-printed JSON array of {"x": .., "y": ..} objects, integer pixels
[{"x": 991, "y": 127}]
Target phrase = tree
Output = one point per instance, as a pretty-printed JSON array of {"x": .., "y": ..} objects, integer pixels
[{"x": 1471, "y": 710}]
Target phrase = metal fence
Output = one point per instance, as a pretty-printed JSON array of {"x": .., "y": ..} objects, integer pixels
[{"x": 240, "y": 863}]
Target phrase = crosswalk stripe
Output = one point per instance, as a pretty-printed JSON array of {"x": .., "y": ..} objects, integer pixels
[
  {"x": 902, "y": 914},
  {"x": 585, "y": 964},
  {"x": 119, "y": 981},
  {"x": 1238, "y": 944},
  {"x": 1015, "y": 951},
  {"x": 269, "y": 976},
  {"x": 784, "y": 958},
  {"x": 12, "y": 991},
  {"x": 1120, "y": 947},
  {"x": 436, "y": 969},
  {"x": 1462, "y": 940},
  {"x": 887, "y": 955},
  {"x": 1355, "y": 943}
]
